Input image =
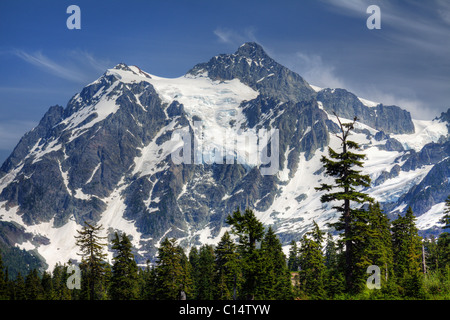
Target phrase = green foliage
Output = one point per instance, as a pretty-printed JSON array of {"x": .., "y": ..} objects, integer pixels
[
  {"x": 275, "y": 282},
  {"x": 227, "y": 269},
  {"x": 346, "y": 189},
  {"x": 205, "y": 274},
  {"x": 406, "y": 245},
  {"x": 124, "y": 280},
  {"x": 312, "y": 264},
  {"x": 293, "y": 261},
  {"x": 255, "y": 267},
  {"x": 171, "y": 272},
  {"x": 93, "y": 265},
  {"x": 249, "y": 230}
]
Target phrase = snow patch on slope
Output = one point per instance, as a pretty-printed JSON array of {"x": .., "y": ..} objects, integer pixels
[
  {"x": 426, "y": 131},
  {"x": 431, "y": 217}
]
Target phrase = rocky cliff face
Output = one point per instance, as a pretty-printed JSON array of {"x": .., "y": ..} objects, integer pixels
[{"x": 107, "y": 157}]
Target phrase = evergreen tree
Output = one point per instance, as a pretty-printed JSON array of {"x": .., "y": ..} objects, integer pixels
[
  {"x": 432, "y": 253},
  {"x": 172, "y": 276},
  {"x": 331, "y": 254},
  {"x": 371, "y": 245},
  {"x": 59, "y": 283},
  {"x": 407, "y": 249},
  {"x": 93, "y": 265},
  {"x": 249, "y": 230},
  {"x": 293, "y": 263},
  {"x": 10, "y": 285},
  {"x": 275, "y": 281},
  {"x": 4, "y": 295},
  {"x": 347, "y": 180},
  {"x": 205, "y": 282},
  {"x": 312, "y": 264},
  {"x": 186, "y": 275},
  {"x": 195, "y": 269},
  {"x": 47, "y": 286},
  {"x": 443, "y": 243},
  {"x": 20, "y": 292},
  {"x": 380, "y": 249},
  {"x": 228, "y": 275},
  {"x": 335, "y": 283},
  {"x": 148, "y": 291},
  {"x": 33, "y": 286},
  {"x": 124, "y": 280}
]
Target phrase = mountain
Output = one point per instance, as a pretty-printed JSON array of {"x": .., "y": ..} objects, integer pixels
[{"x": 112, "y": 157}]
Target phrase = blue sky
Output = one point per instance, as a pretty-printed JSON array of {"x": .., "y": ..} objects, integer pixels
[{"x": 42, "y": 63}]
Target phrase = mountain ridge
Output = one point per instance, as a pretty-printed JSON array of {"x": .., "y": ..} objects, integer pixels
[{"x": 106, "y": 157}]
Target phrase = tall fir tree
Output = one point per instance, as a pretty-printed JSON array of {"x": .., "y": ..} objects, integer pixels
[
  {"x": 93, "y": 264},
  {"x": 33, "y": 286},
  {"x": 275, "y": 280},
  {"x": 20, "y": 292},
  {"x": 59, "y": 283},
  {"x": 47, "y": 286},
  {"x": 124, "y": 283},
  {"x": 407, "y": 249},
  {"x": 249, "y": 231},
  {"x": 334, "y": 278},
  {"x": 228, "y": 270},
  {"x": 341, "y": 166},
  {"x": 148, "y": 291},
  {"x": 186, "y": 275},
  {"x": 380, "y": 244},
  {"x": 432, "y": 253},
  {"x": 195, "y": 269},
  {"x": 293, "y": 263},
  {"x": 4, "y": 294},
  {"x": 312, "y": 264},
  {"x": 172, "y": 273},
  {"x": 443, "y": 242},
  {"x": 205, "y": 280}
]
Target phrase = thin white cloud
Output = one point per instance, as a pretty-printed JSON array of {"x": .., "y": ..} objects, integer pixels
[
  {"x": 313, "y": 69},
  {"x": 39, "y": 60},
  {"x": 78, "y": 66},
  {"x": 415, "y": 37},
  {"x": 416, "y": 23},
  {"x": 443, "y": 10},
  {"x": 235, "y": 38}
]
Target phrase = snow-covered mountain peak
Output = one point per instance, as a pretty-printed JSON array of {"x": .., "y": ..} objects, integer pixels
[
  {"x": 106, "y": 157},
  {"x": 127, "y": 74},
  {"x": 253, "y": 51}
]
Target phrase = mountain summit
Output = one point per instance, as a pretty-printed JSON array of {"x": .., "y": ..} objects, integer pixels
[
  {"x": 107, "y": 158},
  {"x": 251, "y": 65}
]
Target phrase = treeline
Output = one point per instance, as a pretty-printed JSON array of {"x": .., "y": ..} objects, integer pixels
[
  {"x": 253, "y": 267},
  {"x": 408, "y": 266},
  {"x": 249, "y": 263}
]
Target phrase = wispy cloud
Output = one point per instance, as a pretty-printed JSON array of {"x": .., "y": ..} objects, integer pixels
[
  {"x": 443, "y": 10},
  {"x": 312, "y": 67},
  {"x": 410, "y": 60},
  {"x": 39, "y": 60},
  {"x": 420, "y": 24},
  {"x": 235, "y": 38},
  {"x": 78, "y": 66}
]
